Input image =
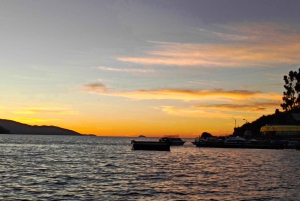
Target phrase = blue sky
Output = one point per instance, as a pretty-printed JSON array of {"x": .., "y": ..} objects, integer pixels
[{"x": 145, "y": 67}]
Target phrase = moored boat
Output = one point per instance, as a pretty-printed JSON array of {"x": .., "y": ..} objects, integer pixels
[
  {"x": 208, "y": 140},
  {"x": 298, "y": 146},
  {"x": 290, "y": 144},
  {"x": 150, "y": 145},
  {"x": 196, "y": 140},
  {"x": 236, "y": 140},
  {"x": 174, "y": 140},
  {"x": 239, "y": 142}
]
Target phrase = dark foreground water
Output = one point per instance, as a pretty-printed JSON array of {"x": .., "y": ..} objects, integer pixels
[{"x": 94, "y": 168}]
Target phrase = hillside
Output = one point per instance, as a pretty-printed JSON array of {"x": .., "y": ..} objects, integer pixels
[
  {"x": 278, "y": 118},
  {"x": 3, "y": 130},
  {"x": 19, "y": 128}
]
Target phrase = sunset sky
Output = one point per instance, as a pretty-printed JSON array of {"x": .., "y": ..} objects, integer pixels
[{"x": 145, "y": 67}]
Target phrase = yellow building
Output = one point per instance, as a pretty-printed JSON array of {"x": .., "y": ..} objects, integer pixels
[{"x": 281, "y": 131}]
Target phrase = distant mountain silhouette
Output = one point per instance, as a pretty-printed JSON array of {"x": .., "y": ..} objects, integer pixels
[
  {"x": 14, "y": 127},
  {"x": 3, "y": 130}
]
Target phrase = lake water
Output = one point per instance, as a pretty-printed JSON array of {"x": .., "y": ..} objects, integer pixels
[{"x": 102, "y": 168}]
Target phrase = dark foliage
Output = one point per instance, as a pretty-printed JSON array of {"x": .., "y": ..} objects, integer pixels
[
  {"x": 291, "y": 97},
  {"x": 206, "y": 135}
]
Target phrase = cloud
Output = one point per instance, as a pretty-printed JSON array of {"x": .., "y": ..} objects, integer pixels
[
  {"x": 210, "y": 103},
  {"x": 184, "y": 111},
  {"x": 194, "y": 95},
  {"x": 210, "y": 113},
  {"x": 253, "y": 45},
  {"x": 219, "y": 95},
  {"x": 126, "y": 70},
  {"x": 250, "y": 106},
  {"x": 264, "y": 32},
  {"x": 31, "y": 121},
  {"x": 264, "y": 85},
  {"x": 195, "y": 112},
  {"x": 249, "y": 109},
  {"x": 44, "y": 110},
  {"x": 95, "y": 87}
]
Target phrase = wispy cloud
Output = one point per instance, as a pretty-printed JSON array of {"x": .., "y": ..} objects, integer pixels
[
  {"x": 253, "y": 45},
  {"x": 265, "y": 32},
  {"x": 235, "y": 36},
  {"x": 126, "y": 70},
  {"x": 225, "y": 111},
  {"x": 32, "y": 121},
  {"x": 250, "y": 106},
  {"x": 95, "y": 87},
  {"x": 194, "y": 95},
  {"x": 262, "y": 85},
  {"x": 184, "y": 95},
  {"x": 44, "y": 110},
  {"x": 211, "y": 103},
  {"x": 193, "y": 112}
]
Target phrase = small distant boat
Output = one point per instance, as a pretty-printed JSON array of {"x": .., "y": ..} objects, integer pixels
[
  {"x": 174, "y": 140},
  {"x": 150, "y": 145}
]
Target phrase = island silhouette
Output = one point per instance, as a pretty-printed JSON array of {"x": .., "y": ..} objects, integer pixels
[{"x": 13, "y": 127}]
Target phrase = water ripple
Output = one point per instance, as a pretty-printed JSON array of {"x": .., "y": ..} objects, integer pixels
[{"x": 91, "y": 168}]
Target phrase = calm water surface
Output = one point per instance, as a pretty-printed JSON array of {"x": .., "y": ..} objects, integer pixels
[{"x": 94, "y": 168}]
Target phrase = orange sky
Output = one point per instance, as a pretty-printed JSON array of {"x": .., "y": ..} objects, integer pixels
[{"x": 146, "y": 68}]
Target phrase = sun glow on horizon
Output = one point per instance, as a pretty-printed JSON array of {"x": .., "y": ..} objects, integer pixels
[{"x": 124, "y": 68}]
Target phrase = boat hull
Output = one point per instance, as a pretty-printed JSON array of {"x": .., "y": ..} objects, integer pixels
[
  {"x": 174, "y": 141},
  {"x": 150, "y": 145},
  {"x": 177, "y": 143}
]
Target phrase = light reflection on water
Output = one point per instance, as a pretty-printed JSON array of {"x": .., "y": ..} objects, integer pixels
[{"x": 93, "y": 168}]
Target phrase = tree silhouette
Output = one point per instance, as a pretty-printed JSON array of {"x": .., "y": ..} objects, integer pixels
[
  {"x": 206, "y": 135},
  {"x": 291, "y": 97}
]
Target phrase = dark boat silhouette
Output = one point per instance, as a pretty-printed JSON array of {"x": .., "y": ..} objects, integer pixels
[
  {"x": 174, "y": 140},
  {"x": 150, "y": 145}
]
